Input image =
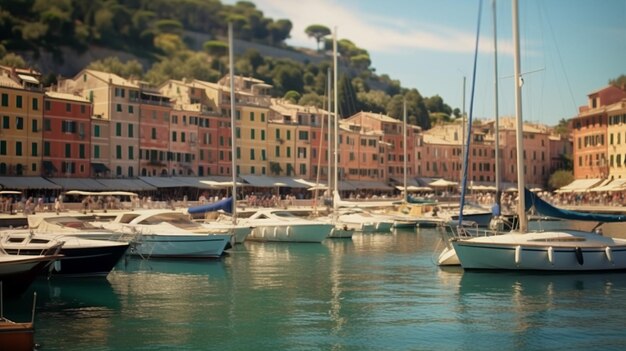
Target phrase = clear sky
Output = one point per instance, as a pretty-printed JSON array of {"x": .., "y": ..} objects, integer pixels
[{"x": 570, "y": 48}]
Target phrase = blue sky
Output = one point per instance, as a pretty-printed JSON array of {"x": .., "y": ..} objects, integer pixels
[{"x": 570, "y": 48}]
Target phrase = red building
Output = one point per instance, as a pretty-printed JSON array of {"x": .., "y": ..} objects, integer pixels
[{"x": 66, "y": 135}]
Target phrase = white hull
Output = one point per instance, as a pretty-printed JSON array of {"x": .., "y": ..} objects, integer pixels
[
  {"x": 303, "y": 233},
  {"x": 240, "y": 232},
  {"x": 339, "y": 232},
  {"x": 543, "y": 251},
  {"x": 191, "y": 246},
  {"x": 448, "y": 257}
]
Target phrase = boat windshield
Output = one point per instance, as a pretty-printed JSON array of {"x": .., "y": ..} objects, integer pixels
[{"x": 176, "y": 219}]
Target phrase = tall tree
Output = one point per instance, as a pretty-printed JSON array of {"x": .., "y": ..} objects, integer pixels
[{"x": 318, "y": 32}]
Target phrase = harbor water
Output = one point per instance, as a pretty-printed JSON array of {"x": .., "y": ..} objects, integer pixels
[{"x": 377, "y": 291}]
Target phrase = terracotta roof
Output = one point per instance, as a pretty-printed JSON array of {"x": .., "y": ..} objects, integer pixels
[{"x": 66, "y": 96}]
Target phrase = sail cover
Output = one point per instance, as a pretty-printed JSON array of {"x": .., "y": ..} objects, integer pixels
[
  {"x": 546, "y": 209},
  {"x": 225, "y": 205}
]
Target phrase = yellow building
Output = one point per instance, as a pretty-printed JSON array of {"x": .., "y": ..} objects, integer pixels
[{"x": 21, "y": 114}]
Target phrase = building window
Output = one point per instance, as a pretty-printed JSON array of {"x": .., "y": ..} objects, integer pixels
[
  {"x": 118, "y": 129},
  {"x": 68, "y": 150},
  {"x": 34, "y": 150},
  {"x": 174, "y": 136},
  {"x": 19, "y": 123},
  {"x": 68, "y": 107},
  {"x": 251, "y": 116},
  {"x": 35, "y": 104},
  {"x": 35, "y": 126},
  {"x": 18, "y": 148},
  {"x": 96, "y": 151},
  {"x": 3, "y": 147},
  {"x": 118, "y": 152},
  {"x": 96, "y": 131},
  {"x": 238, "y": 151},
  {"x": 252, "y": 137},
  {"x": 154, "y": 133},
  {"x": 46, "y": 148},
  {"x": 118, "y": 107},
  {"x": 130, "y": 131},
  {"x": 252, "y": 154},
  {"x": 6, "y": 122},
  {"x": 18, "y": 101},
  {"x": 131, "y": 153},
  {"x": 5, "y": 100},
  {"x": 131, "y": 110},
  {"x": 81, "y": 150}
]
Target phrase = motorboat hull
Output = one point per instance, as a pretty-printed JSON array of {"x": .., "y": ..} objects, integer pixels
[
  {"x": 17, "y": 273},
  {"x": 341, "y": 232},
  {"x": 180, "y": 246},
  {"x": 557, "y": 252},
  {"x": 302, "y": 233},
  {"x": 448, "y": 257},
  {"x": 81, "y": 257}
]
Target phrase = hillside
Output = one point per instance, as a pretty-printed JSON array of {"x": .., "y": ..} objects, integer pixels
[{"x": 174, "y": 39}]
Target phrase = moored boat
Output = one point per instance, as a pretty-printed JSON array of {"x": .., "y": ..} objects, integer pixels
[{"x": 166, "y": 233}]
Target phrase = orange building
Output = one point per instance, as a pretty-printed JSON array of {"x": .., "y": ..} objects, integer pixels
[{"x": 598, "y": 151}]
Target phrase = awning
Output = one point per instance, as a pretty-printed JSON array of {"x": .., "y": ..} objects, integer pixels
[
  {"x": 166, "y": 182},
  {"x": 579, "y": 185},
  {"x": 614, "y": 185},
  {"x": 49, "y": 166},
  {"x": 443, "y": 183},
  {"x": 99, "y": 167},
  {"x": 126, "y": 184},
  {"x": 409, "y": 181},
  {"x": 28, "y": 78},
  {"x": 79, "y": 184},
  {"x": 27, "y": 183},
  {"x": 263, "y": 181},
  {"x": 369, "y": 185}
]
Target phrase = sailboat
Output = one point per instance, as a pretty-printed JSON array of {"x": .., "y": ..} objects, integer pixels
[{"x": 558, "y": 250}]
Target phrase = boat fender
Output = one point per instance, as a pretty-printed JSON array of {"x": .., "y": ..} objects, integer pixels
[
  {"x": 609, "y": 254},
  {"x": 518, "y": 254},
  {"x": 551, "y": 255},
  {"x": 332, "y": 231},
  {"x": 57, "y": 265},
  {"x": 579, "y": 255},
  {"x": 275, "y": 232},
  {"x": 263, "y": 232},
  {"x": 289, "y": 231}
]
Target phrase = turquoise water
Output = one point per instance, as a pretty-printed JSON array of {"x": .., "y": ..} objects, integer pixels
[{"x": 374, "y": 292}]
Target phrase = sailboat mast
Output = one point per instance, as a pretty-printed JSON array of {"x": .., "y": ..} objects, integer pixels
[
  {"x": 336, "y": 115},
  {"x": 232, "y": 119},
  {"x": 329, "y": 138},
  {"x": 497, "y": 112},
  {"x": 406, "y": 195},
  {"x": 521, "y": 206}
]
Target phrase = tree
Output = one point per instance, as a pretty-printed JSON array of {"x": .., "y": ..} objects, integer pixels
[
  {"x": 292, "y": 96},
  {"x": 13, "y": 60},
  {"x": 563, "y": 128},
  {"x": 560, "y": 178},
  {"x": 619, "y": 82},
  {"x": 131, "y": 68},
  {"x": 318, "y": 32}
]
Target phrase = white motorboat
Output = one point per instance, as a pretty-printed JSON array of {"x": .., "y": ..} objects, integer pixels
[
  {"x": 280, "y": 225},
  {"x": 166, "y": 233},
  {"x": 364, "y": 221}
]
